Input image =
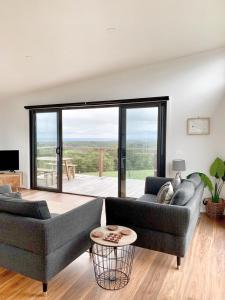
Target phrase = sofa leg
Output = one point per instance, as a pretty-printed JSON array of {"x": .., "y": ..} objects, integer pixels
[
  {"x": 178, "y": 262},
  {"x": 90, "y": 251},
  {"x": 45, "y": 288}
]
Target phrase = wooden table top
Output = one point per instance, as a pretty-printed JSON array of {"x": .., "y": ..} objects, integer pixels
[{"x": 125, "y": 240}]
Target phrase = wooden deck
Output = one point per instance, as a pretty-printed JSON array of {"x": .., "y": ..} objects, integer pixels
[
  {"x": 101, "y": 186},
  {"x": 98, "y": 186}
]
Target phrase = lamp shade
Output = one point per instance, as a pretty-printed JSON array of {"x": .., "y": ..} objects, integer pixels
[{"x": 178, "y": 165}]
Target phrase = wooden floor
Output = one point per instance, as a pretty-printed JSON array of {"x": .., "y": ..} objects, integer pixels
[
  {"x": 57, "y": 202},
  {"x": 154, "y": 276}
]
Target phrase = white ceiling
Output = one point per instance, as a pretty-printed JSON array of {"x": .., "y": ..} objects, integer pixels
[{"x": 47, "y": 42}]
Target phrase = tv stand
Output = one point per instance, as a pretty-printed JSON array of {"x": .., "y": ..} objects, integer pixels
[{"x": 15, "y": 179}]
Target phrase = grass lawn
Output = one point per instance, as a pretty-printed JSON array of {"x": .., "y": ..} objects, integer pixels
[{"x": 131, "y": 174}]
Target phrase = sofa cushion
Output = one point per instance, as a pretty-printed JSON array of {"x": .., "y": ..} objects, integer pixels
[
  {"x": 32, "y": 209},
  {"x": 184, "y": 193},
  {"x": 195, "y": 179},
  {"x": 5, "y": 188},
  {"x": 15, "y": 195},
  {"x": 153, "y": 184},
  {"x": 147, "y": 198}
]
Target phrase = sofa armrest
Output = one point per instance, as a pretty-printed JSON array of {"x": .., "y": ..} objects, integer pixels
[
  {"x": 44, "y": 236},
  {"x": 155, "y": 216},
  {"x": 63, "y": 228},
  {"x": 153, "y": 184}
]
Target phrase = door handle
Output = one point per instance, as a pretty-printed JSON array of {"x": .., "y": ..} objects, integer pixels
[
  {"x": 58, "y": 150},
  {"x": 123, "y": 162}
]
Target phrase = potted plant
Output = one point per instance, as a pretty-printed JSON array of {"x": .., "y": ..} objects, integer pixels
[{"x": 215, "y": 204}]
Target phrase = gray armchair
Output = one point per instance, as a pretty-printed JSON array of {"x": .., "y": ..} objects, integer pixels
[
  {"x": 160, "y": 227},
  {"x": 41, "y": 248}
]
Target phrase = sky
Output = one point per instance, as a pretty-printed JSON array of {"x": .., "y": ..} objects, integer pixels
[{"x": 98, "y": 124}]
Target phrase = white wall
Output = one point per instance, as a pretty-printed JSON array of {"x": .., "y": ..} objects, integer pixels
[
  {"x": 219, "y": 127},
  {"x": 195, "y": 85}
]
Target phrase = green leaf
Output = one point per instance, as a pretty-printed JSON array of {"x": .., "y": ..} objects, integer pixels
[
  {"x": 216, "y": 190},
  {"x": 223, "y": 177},
  {"x": 206, "y": 181},
  {"x": 217, "y": 168},
  {"x": 215, "y": 198}
]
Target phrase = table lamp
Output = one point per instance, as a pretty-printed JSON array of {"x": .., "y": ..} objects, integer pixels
[{"x": 178, "y": 165}]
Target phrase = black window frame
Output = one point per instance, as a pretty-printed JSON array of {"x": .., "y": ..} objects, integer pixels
[{"x": 160, "y": 102}]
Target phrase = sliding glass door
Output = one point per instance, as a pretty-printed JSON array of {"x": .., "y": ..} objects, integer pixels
[
  {"x": 139, "y": 148},
  {"x": 90, "y": 151},
  {"x": 46, "y": 151},
  {"x": 98, "y": 151}
]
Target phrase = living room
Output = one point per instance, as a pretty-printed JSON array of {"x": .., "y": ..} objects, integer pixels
[{"x": 83, "y": 56}]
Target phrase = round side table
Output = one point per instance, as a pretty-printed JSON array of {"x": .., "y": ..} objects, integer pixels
[{"x": 113, "y": 261}]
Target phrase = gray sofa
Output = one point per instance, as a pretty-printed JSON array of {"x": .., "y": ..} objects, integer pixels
[
  {"x": 160, "y": 227},
  {"x": 39, "y": 245}
]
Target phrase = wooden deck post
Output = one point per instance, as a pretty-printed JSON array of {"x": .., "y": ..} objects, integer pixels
[{"x": 101, "y": 161}]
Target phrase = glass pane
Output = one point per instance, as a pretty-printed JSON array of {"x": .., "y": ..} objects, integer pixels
[
  {"x": 90, "y": 151},
  {"x": 46, "y": 143},
  {"x": 141, "y": 148}
]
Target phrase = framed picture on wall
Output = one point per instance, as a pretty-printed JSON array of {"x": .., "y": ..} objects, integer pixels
[{"x": 198, "y": 126}]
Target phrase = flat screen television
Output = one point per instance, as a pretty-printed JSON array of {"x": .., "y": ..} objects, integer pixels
[{"x": 9, "y": 160}]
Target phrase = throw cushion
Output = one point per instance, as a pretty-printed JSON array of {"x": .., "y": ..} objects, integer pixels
[
  {"x": 165, "y": 193},
  {"x": 184, "y": 193},
  {"x": 31, "y": 209},
  {"x": 195, "y": 179}
]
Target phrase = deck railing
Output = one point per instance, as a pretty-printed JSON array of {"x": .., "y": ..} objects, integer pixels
[{"x": 103, "y": 161}]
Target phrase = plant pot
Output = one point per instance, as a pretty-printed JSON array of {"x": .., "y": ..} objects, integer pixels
[{"x": 214, "y": 209}]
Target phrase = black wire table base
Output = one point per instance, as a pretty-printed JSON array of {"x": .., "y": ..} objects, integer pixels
[{"x": 112, "y": 265}]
